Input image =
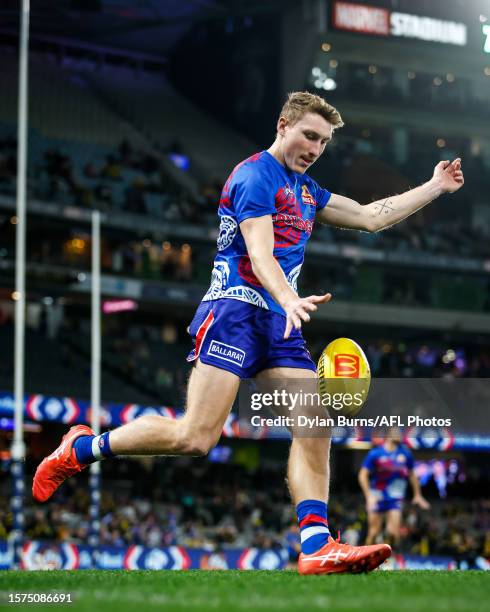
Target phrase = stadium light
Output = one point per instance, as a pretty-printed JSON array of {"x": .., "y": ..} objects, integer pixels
[{"x": 329, "y": 84}]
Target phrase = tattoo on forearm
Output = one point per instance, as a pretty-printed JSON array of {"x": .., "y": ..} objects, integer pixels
[{"x": 386, "y": 207}]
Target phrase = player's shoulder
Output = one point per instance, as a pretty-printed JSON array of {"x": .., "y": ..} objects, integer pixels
[
  {"x": 376, "y": 451},
  {"x": 403, "y": 448},
  {"x": 257, "y": 164},
  {"x": 312, "y": 193},
  {"x": 308, "y": 181}
]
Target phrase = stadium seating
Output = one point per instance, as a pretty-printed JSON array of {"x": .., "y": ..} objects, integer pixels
[
  {"x": 59, "y": 368},
  {"x": 232, "y": 505}
]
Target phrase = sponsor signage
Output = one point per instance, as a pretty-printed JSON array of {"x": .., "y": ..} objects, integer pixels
[
  {"x": 226, "y": 352},
  {"x": 486, "y": 34},
  {"x": 52, "y": 555},
  {"x": 70, "y": 411},
  {"x": 383, "y": 22},
  {"x": 113, "y": 306},
  {"x": 346, "y": 365}
]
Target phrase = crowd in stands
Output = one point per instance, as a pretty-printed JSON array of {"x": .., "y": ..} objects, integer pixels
[
  {"x": 197, "y": 503},
  {"x": 399, "y": 359},
  {"x": 144, "y": 361},
  {"x": 129, "y": 180},
  {"x": 416, "y": 90},
  {"x": 153, "y": 356},
  {"x": 136, "y": 181}
]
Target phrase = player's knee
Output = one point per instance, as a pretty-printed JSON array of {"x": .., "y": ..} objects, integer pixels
[
  {"x": 196, "y": 444},
  {"x": 200, "y": 447}
]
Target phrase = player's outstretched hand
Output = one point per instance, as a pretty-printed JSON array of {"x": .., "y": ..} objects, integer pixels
[
  {"x": 449, "y": 175},
  {"x": 421, "y": 502},
  {"x": 298, "y": 310}
]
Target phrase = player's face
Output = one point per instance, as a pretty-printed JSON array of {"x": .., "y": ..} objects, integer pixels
[
  {"x": 394, "y": 434},
  {"x": 305, "y": 141}
]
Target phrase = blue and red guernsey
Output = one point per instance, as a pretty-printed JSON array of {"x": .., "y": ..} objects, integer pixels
[
  {"x": 260, "y": 186},
  {"x": 388, "y": 471}
]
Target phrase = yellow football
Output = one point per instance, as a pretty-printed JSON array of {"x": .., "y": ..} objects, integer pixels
[{"x": 344, "y": 377}]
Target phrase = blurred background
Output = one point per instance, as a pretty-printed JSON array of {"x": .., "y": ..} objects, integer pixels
[{"x": 141, "y": 110}]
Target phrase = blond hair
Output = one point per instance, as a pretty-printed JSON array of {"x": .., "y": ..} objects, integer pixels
[{"x": 299, "y": 103}]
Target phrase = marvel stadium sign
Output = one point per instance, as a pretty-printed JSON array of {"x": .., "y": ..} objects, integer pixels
[{"x": 383, "y": 22}]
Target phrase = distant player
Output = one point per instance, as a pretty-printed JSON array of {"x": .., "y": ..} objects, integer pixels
[
  {"x": 249, "y": 322},
  {"x": 383, "y": 478}
]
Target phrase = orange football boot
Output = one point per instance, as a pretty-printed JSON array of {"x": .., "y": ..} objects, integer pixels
[
  {"x": 338, "y": 558},
  {"x": 60, "y": 465}
]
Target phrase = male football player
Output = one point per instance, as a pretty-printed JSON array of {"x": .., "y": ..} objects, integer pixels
[
  {"x": 383, "y": 478},
  {"x": 249, "y": 322}
]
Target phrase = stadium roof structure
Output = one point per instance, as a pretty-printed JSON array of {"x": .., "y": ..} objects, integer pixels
[{"x": 144, "y": 27}]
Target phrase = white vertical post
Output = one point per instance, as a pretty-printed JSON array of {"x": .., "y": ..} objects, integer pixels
[
  {"x": 18, "y": 450},
  {"x": 96, "y": 316},
  {"x": 18, "y": 445},
  {"x": 95, "y": 378}
]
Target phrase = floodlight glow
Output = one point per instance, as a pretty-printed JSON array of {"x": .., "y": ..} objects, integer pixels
[{"x": 329, "y": 85}]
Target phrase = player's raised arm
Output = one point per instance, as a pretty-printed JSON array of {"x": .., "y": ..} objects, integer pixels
[
  {"x": 258, "y": 234},
  {"x": 349, "y": 214}
]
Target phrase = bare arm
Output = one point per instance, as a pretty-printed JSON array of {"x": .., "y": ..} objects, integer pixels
[
  {"x": 347, "y": 213},
  {"x": 363, "y": 478},
  {"x": 418, "y": 498},
  {"x": 258, "y": 234}
]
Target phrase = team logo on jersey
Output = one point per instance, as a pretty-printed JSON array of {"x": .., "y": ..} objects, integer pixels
[
  {"x": 289, "y": 224},
  {"x": 226, "y": 352},
  {"x": 227, "y": 232},
  {"x": 219, "y": 280},
  {"x": 307, "y": 197},
  {"x": 346, "y": 365}
]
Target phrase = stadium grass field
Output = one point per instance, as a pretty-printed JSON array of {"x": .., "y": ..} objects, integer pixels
[{"x": 139, "y": 591}]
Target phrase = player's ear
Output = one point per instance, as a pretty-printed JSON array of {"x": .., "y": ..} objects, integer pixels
[{"x": 281, "y": 126}]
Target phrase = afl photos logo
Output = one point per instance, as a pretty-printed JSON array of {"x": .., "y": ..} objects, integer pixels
[{"x": 346, "y": 366}]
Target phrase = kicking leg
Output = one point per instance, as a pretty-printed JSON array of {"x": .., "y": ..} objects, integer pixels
[
  {"x": 210, "y": 396},
  {"x": 211, "y": 393}
]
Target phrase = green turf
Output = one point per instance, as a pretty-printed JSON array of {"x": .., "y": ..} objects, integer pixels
[{"x": 139, "y": 591}]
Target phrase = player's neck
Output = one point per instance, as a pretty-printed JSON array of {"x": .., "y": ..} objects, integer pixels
[
  {"x": 276, "y": 151},
  {"x": 390, "y": 446}
]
